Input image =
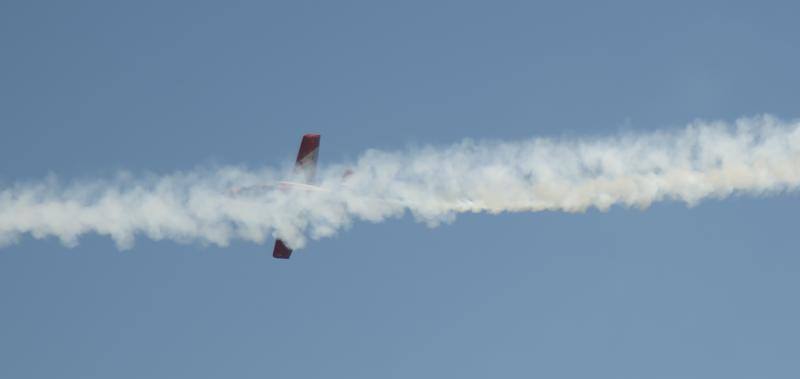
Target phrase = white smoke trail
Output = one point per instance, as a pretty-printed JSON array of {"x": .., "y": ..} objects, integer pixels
[{"x": 706, "y": 159}]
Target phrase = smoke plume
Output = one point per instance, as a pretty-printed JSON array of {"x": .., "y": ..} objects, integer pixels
[{"x": 752, "y": 156}]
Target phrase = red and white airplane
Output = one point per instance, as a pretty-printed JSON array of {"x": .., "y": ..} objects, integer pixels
[
  {"x": 306, "y": 164},
  {"x": 305, "y": 167}
]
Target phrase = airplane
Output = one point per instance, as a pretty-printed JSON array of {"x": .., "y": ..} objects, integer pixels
[
  {"x": 307, "y": 164},
  {"x": 305, "y": 167}
]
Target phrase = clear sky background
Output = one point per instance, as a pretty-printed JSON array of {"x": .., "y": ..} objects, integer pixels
[{"x": 91, "y": 88}]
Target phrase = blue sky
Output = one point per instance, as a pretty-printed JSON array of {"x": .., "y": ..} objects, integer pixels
[{"x": 91, "y": 88}]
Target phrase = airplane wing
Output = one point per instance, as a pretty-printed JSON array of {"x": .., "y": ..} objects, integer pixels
[
  {"x": 305, "y": 164},
  {"x": 281, "y": 251}
]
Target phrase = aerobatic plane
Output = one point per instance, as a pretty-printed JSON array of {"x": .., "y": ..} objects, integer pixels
[
  {"x": 306, "y": 164},
  {"x": 305, "y": 167}
]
